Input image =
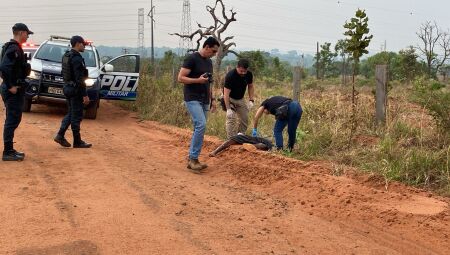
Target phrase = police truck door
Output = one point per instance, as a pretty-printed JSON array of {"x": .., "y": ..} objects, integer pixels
[{"x": 119, "y": 78}]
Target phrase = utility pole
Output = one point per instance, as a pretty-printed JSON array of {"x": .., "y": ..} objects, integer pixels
[
  {"x": 152, "y": 22},
  {"x": 317, "y": 61},
  {"x": 140, "y": 45},
  {"x": 185, "y": 44}
]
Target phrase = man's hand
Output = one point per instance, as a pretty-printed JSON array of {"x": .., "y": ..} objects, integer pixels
[
  {"x": 13, "y": 90},
  {"x": 230, "y": 113},
  {"x": 255, "y": 132},
  {"x": 202, "y": 79},
  {"x": 85, "y": 100},
  {"x": 250, "y": 105}
]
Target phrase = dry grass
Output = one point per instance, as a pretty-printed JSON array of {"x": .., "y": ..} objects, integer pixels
[{"x": 410, "y": 148}]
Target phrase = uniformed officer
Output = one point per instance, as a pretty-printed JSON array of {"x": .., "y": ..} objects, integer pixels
[
  {"x": 14, "y": 68},
  {"x": 74, "y": 73}
]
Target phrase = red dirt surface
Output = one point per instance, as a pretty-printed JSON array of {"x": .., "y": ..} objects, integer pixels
[{"x": 132, "y": 194}]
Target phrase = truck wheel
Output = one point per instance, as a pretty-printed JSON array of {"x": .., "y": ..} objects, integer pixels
[
  {"x": 26, "y": 107},
  {"x": 91, "y": 111}
]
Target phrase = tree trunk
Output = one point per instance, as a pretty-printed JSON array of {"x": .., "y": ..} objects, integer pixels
[{"x": 216, "y": 68}]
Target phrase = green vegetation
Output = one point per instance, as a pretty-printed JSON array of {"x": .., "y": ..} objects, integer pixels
[{"x": 412, "y": 147}]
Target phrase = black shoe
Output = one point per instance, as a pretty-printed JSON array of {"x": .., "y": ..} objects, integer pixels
[
  {"x": 82, "y": 144},
  {"x": 62, "y": 141},
  {"x": 12, "y": 156},
  {"x": 19, "y": 153}
]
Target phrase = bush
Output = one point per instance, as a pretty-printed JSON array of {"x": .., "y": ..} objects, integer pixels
[{"x": 431, "y": 95}]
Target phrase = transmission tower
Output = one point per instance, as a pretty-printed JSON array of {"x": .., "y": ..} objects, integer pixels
[
  {"x": 185, "y": 43},
  {"x": 140, "y": 45}
]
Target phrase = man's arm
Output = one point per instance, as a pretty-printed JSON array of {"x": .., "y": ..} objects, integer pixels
[
  {"x": 7, "y": 67},
  {"x": 222, "y": 147},
  {"x": 258, "y": 115},
  {"x": 79, "y": 75},
  {"x": 226, "y": 97},
  {"x": 183, "y": 77},
  {"x": 251, "y": 92}
]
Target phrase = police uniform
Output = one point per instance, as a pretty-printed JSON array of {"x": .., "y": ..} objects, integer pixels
[
  {"x": 14, "y": 69},
  {"x": 74, "y": 73}
]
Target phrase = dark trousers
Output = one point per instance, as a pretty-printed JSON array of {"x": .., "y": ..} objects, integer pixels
[
  {"x": 294, "y": 115},
  {"x": 13, "y": 105},
  {"x": 73, "y": 117}
]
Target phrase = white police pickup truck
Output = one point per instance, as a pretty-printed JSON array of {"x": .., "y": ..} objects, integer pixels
[{"x": 116, "y": 80}]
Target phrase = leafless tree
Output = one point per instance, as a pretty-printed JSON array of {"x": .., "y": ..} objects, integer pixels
[
  {"x": 221, "y": 22},
  {"x": 435, "y": 46}
]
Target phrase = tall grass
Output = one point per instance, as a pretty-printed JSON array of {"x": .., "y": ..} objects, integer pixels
[{"x": 412, "y": 147}]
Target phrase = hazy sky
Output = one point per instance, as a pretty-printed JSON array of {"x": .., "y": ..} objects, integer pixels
[{"x": 261, "y": 24}]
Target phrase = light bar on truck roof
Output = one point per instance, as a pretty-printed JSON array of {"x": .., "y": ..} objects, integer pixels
[{"x": 57, "y": 37}]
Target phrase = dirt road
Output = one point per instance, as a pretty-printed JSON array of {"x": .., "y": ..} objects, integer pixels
[{"x": 131, "y": 194}]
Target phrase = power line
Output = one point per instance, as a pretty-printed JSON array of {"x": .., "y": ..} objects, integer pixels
[{"x": 65, "y": 4}]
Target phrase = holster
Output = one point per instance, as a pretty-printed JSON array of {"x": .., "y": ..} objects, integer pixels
[{"x": 70, "y": 89}]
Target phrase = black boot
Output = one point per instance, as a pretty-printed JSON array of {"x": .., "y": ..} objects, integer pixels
[
  {"x": 78, "y": 143},
  {"x": 19, "y": 153},
  {"x": 13, "y": 155},
  {"x": 61, "y": 140}
]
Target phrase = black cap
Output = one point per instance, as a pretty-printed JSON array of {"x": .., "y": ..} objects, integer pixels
[
  {"x": 21, "y": 27},
  {"x": 77, "y": 39}
]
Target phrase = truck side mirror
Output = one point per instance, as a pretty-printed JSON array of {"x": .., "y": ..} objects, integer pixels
[{"x": 108, "y": 68}]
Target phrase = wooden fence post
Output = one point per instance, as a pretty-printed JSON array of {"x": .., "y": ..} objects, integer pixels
[
  {"x": 381, "y": 76},
  {"x": 296, "y": 82}
]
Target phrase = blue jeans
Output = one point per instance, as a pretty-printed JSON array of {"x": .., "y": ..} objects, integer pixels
[
  {"x": 199, "y": 114},
  {"x": 294, "y": 115}
]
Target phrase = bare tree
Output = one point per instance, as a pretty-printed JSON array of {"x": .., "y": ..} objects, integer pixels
[
  {"x": 435, "y": 46},
  {"x": 221, "y": 22}
]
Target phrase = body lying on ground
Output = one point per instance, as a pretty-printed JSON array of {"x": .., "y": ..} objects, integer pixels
[{"x": 239, "y": 139}]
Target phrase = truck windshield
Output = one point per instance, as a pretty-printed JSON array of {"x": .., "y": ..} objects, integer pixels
[{"x": 54, "y": 53}]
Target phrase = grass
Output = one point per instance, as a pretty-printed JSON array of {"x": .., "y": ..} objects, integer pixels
[{"x": 413, "y": 147}]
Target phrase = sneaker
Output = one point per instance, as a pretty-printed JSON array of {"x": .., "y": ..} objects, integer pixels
[
  {"x": 82, "y": 144},
  {"x": 62, "y": 141}
]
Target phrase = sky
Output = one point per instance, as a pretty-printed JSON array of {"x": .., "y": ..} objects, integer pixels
[{"x": 261, "y": 24}]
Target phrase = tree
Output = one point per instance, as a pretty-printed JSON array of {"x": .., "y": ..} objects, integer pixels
[
  {"x": 280, "y": 70},
  {"x": 409, "y": 67},
  {"x": 357, "y": 42},
  {"x": 444, "y": 70},
  {"x": 168, "y": 61},
  {"x": 367, "y": 67},
  {"x": 341, "y": 50},
  {"x": 257, "y": 60},
  {"x": 221, "y": 21},
  {"x": 324, "y": 60},
  {"x": 435, "y": 46}
]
